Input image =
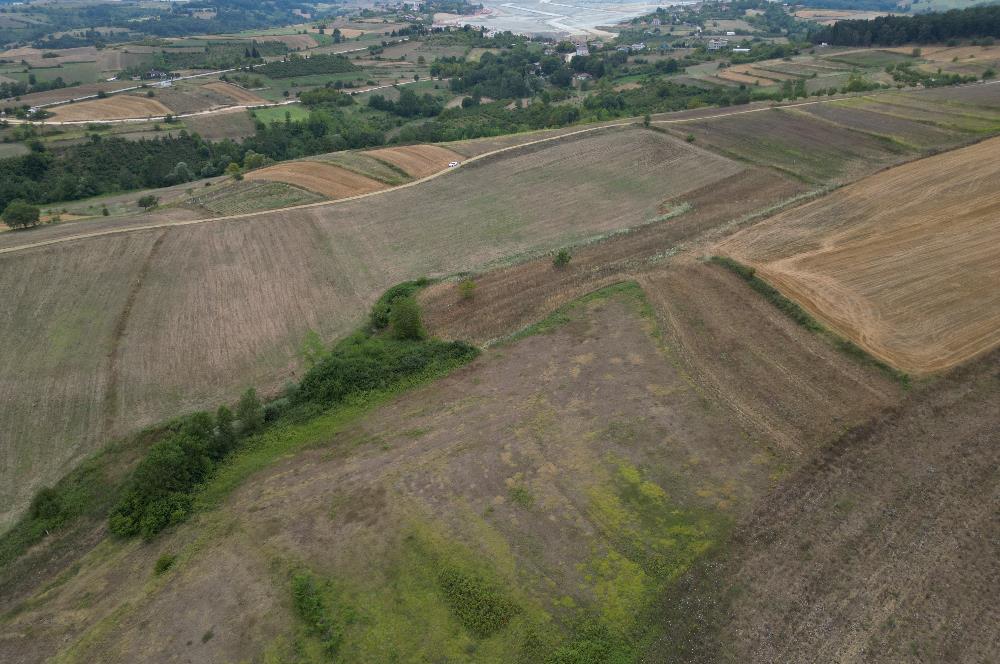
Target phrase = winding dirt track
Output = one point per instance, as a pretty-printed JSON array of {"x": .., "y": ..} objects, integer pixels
[{"x": 906, "y": 262}]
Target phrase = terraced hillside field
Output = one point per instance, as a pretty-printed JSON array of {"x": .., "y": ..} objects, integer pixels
[
  {"x": 172, "y": 319},
  {"x": 905, "y": 263}
]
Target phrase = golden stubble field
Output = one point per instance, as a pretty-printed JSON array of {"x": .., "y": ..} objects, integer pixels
[{"x": 905, "y": 263}]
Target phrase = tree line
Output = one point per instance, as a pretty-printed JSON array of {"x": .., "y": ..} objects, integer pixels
[{"x": 974, "y": 22}]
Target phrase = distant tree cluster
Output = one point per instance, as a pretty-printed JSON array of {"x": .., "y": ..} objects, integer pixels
[
  {"x": 409, "y": 105},
  {"x": 295, "y": 65},
  {"x": 923, "y": 28}
]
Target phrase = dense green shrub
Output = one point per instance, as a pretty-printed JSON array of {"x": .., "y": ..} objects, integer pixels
[
  {"x": 381, "y": 308},
  {"x": 163, "y": 563},
  {"x": 561, "y": 258},
  {"x": 250, "y": 412},
  {"x": 404, "y": 319},
  {"x": 310, "y": 605},
  {"x": 363, "y": 364},
  {"x": 20, "y": 214},
  {"x": 479, "y": 605}
]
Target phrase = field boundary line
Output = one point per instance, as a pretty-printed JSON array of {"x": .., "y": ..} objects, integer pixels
[{"x": 250, "y": 215}]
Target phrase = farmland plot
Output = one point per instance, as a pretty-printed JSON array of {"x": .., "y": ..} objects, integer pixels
[
  {"x": 224, "y": 305},
  {"x": 325, "y": 179},
  {"x": 112, "y": 108},
  {"x": 904, "y": 263}
]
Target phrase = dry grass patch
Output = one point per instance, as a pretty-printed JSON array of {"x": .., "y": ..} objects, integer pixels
[
  {"x": 904, "y": 263},
  {"x": 116, "y": 107},
  {"x": 326, "y": 179}
]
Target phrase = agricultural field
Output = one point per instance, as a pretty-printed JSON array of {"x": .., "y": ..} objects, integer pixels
[
  {"x": 881, "y": 544},
  {"x": 323, "y": 179},
  {"x": 249, "y": 196},
  {"x": 111, "y": 108},
  {"x": 644, "y": 454},
  {"x": 353, "y": 250},
  {"x": 219, "y": 126},
  {"x": 831, "y": 16},
  {"x": 417, "y": 161},
  {"x": 935, "y": 304},
  {"x": 610, "y": 473}
]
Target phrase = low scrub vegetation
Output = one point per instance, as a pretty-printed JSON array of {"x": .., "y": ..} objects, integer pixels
[{"x": 479, "y": 605}]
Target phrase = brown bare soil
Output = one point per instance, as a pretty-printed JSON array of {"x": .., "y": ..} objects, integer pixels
[
  {"x": 741, "y": 77},
  {"x": 905, "y": 263},
  {"x": 236, "y": 93},
  {"x": 112, "y": 108},
  {"x": 881, "y": 549},
  {"x": 795, "y": 143},
  {"x": 417, "y": 160},
  {"x": 327, "y": 179}
]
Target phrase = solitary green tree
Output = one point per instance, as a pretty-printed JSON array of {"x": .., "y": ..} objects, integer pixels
[
  {"x": 20, "y": 214},
  {"x": 562, "y": 258}
]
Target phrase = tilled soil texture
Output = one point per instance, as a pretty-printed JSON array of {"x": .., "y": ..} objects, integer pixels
[
  {"x": 904, "y": 263},
  {"x": 882, "y": 549}
]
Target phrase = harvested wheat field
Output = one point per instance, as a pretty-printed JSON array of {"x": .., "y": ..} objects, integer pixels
[
  {"x": 326, "y": 179},
  {"x": 905, "y": 263},
  {"x": 417, "y": 160},
  {"x": 116, "y": 107},
  {"x": 236, "y": 93}
]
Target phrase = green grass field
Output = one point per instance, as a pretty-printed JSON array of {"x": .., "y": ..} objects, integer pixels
[{"x": 278, "y": 113}]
